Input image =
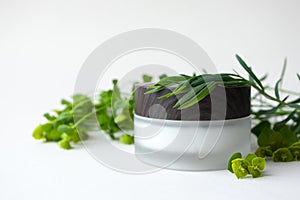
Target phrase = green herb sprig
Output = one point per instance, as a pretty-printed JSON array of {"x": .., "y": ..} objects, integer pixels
[
  {"x": 251, "y": 165},
  {"x": 195, "y": 87}
]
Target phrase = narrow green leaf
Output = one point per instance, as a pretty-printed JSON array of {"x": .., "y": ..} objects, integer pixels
[
  {"x": 177, "y": 91},
  {"x": 272, "y": 110},
  {"x": 156, "y": 89},
  {"x": 189, "y": 95},
  {"x": 295, "y": 101},
  {"x": 283, "y": 71},
  {"x": 250, "y": 72},
  {"x": 293, "y": 105},
  {"x": 264, "y": 77},
  {"x": 279, "y": 124},
  {"x": 170, "y": 79},
  {"x": 277, "y": 89},
  {"x": 201, "y": 95}
]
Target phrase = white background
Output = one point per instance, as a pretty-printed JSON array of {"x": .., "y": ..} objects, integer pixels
[{"x": 42, "y": 47}]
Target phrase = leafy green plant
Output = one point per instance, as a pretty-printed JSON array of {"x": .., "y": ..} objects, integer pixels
[
  {"x": 71, "y": 124},
  {"x": 60, "y": 125}
]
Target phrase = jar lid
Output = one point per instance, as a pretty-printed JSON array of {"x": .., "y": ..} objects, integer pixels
[{"x": 222, "y": 103}]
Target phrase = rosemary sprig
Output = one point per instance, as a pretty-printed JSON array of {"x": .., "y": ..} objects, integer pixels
[{"x": 197, "y": 87}]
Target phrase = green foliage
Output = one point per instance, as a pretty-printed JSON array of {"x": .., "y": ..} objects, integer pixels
[
  {"x": 276, "y": 139},
  {"x": 240, "y": 167},
  {"x": 70, "y": 124},
  {"x": 127, "y": 139},
  {"x": 281, "y": 144},
  {"x": 259, "y": 127},
  {"x": 233, "y": 157},
  {"x": 263, "y": 152},
  {"x": 282, "y": 155},
  {"x": 251, "y": 164},
  {"x": 60, "y": 126},
  {"x": 195, "y": 88}
]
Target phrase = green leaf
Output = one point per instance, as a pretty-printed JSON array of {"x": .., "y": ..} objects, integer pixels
[
  {"x": 65, "y": 129},
  {"x": 272, "y": 110},
  {"x": 282, "y": 155},
  {"x": 263, "y": 152},
  {"x": 147, "y": 78},
  {"x": 53, "y": 135},
  {"x": 277, "y": 139},
  {"x": 250, "y": 157},
  {"x": 49, "y": 117},
  {"x": 64, "y": 118},
  {"x": 155, "y": 89},
  {"x": 259, "y": 127},
  {"x": 250, "y": 72},
  {"x": 127, "y": 139},
  {"x": 254, "y": 172},
  {"x": 190, "y": 95},
  {"x": 295, "y": 150},
  {"x": 259, "y": 163},
  {"x": 121, "y": 118},
  {"x": 201, "y": 95},
  {"x": 177, "y": 91},
  {"x": 240, "y": 167},
  {"x": 293, "y": 105},
  {"x": 283, "y": 122},
  {"x": 170, "y": 80},
  {"x": 283, "y": 70},
  {"x": 264, "y": 77},
  {"x": 38, "y": 133},
  {"x": 233, "y": 157},
  {"x": 295, "y": 101},
  {"x": 162, "y": 76},
  {"x": 47, "y": 127},
  {"x": 65, "y": 102},
  {"x": 269, "y": 137},
  {"x": 277, "y": 89},
  {"x": 288, "y": 136},
  {"x": 65, "y": 142}
]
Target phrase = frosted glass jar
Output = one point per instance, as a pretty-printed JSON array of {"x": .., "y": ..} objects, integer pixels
[{"x": 202, "y": 137}]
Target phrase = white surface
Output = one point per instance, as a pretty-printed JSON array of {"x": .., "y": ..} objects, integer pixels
[{"x": 44, "y": 43}]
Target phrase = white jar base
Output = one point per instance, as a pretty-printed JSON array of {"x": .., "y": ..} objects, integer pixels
[{"x": 190, "y": 145}]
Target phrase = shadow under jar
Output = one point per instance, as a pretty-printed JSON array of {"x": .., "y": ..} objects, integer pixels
[{"x": 201, "y": 137}]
